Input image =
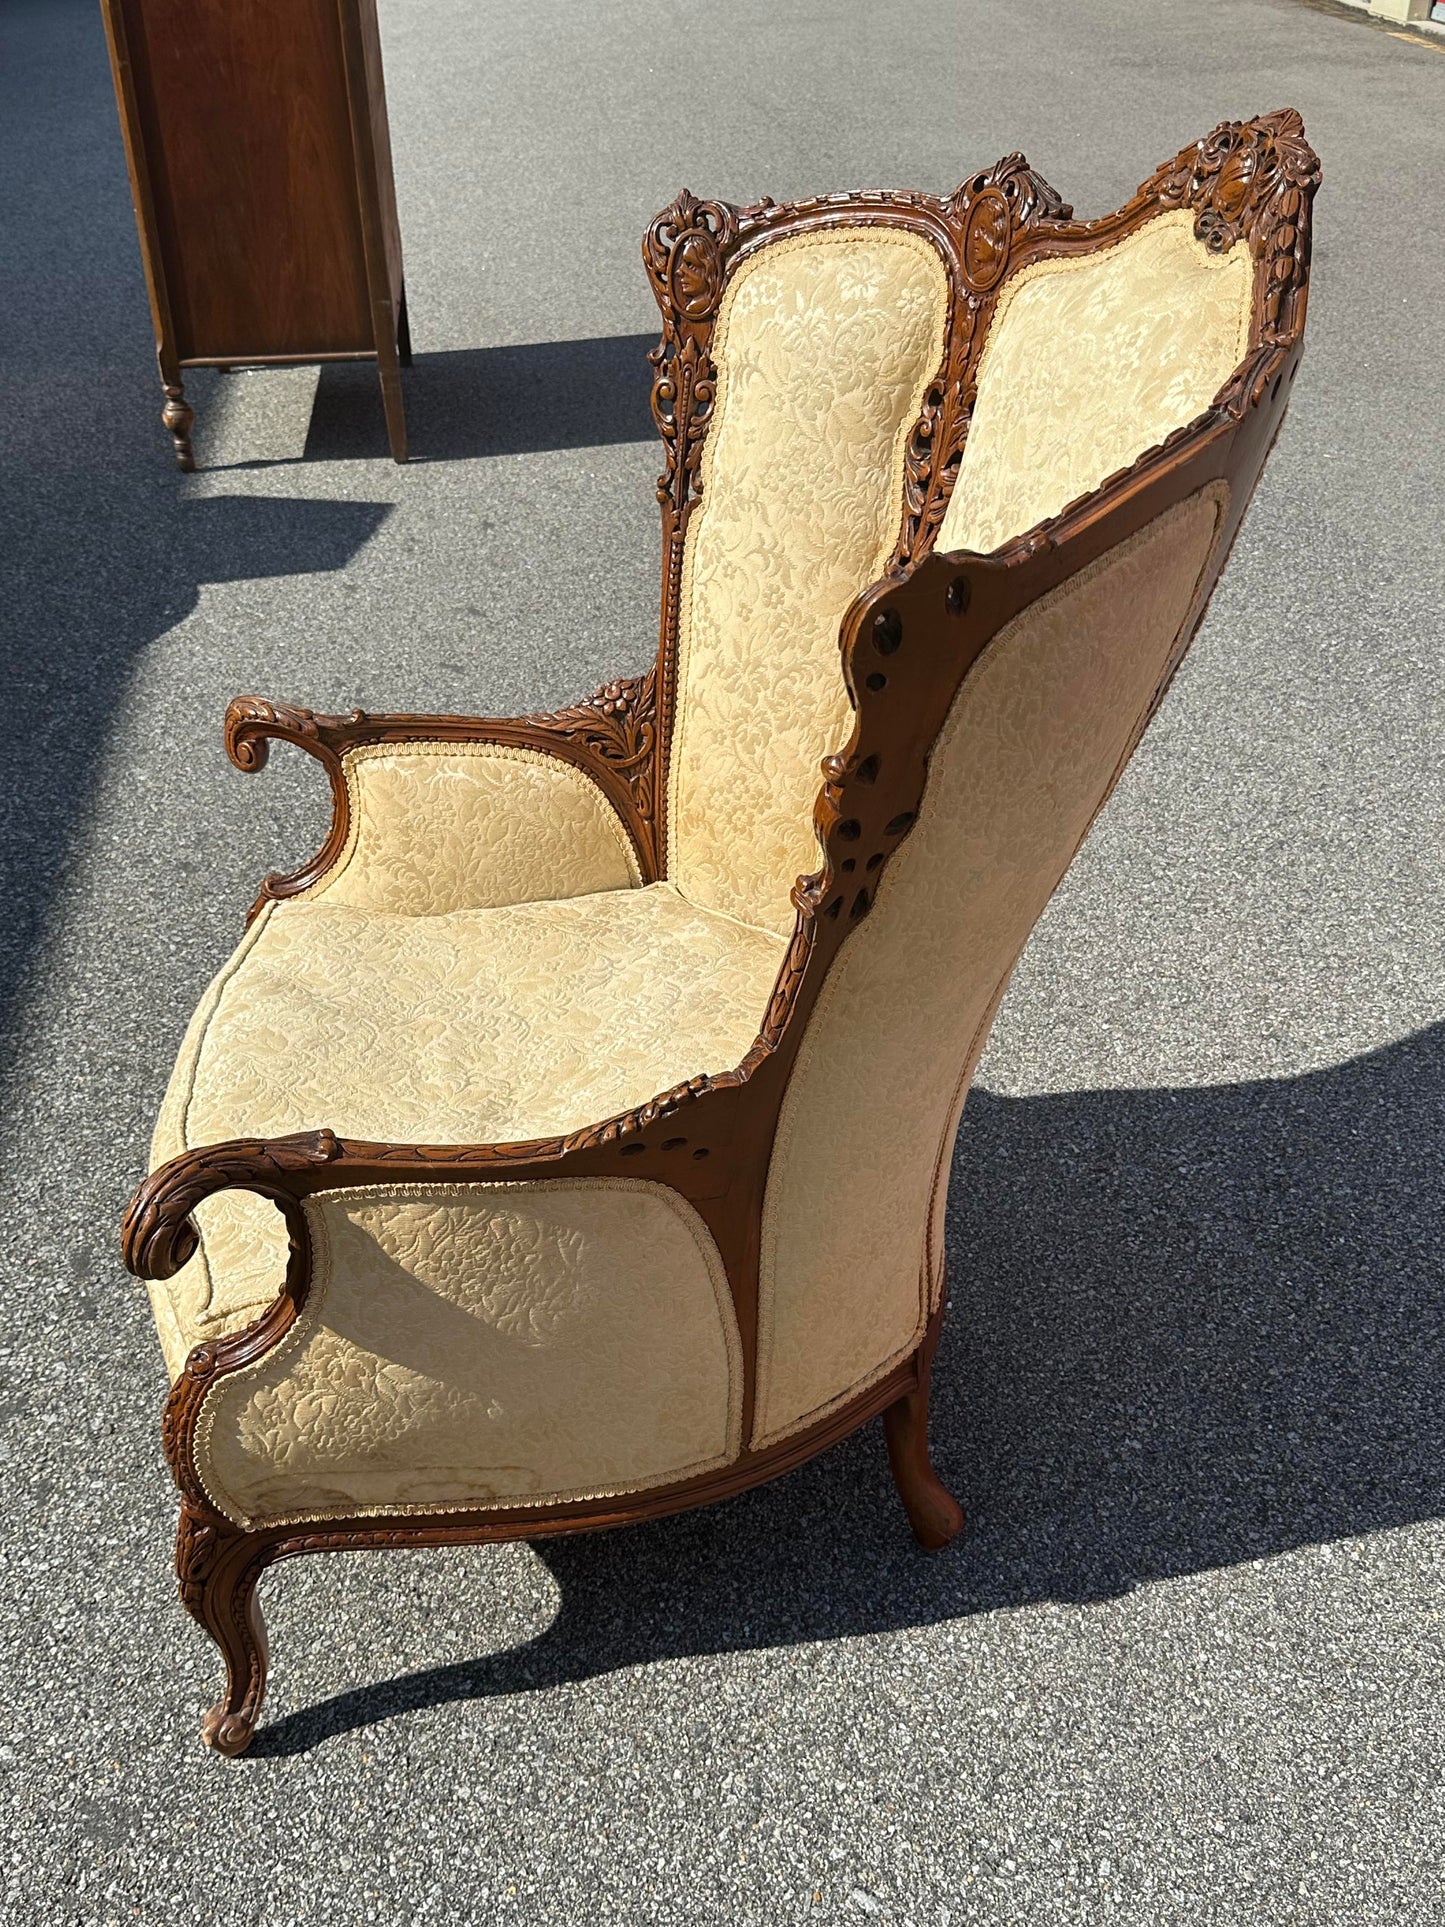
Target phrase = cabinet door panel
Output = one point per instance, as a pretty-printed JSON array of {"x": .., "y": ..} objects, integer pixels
[{"x": 246, "y": 125}]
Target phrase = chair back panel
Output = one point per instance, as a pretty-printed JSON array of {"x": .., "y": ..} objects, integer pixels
[
  {"x": 823, "y": 347},
  {"x": 1037, "y": 735},
  {"x": 1090, "y": 360}
]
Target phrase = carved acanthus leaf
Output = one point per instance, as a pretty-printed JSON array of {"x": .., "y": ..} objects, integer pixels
[
  {"x": 158, "y": 1234},
  {"x": 251, "y": 722},
  {"x": 618, "y": 723},
  {"x": 1239, "y": 179}
]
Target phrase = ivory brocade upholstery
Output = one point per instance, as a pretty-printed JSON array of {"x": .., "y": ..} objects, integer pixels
[
  {"x": 823, "y": 347},
  {"x": 471, "y": 1026},
  {"x": 482, "y": 964},
  {"x": 478, "y": 1344},
  {"x": 1090, "y": 360},
  {"x": 467, "y": 826},
  {"x": 1036, "y": 735}
]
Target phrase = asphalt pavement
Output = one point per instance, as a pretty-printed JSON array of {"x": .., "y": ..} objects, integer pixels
[{"x": 1187, "y": 1665}]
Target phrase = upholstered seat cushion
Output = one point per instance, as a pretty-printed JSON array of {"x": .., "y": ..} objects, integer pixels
[{"x": 476, "y": 1026}]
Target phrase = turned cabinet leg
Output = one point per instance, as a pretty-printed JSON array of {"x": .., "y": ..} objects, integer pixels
[
  {"x": 933, "y": 1512},
  {"x": 219, "y": 1569},
  {"x": 178, "y": 416}
]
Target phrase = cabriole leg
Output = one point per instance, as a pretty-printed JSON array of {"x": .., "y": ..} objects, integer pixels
[
  {"x": 219, "y": 1569},
  {"x": 933, "y": 1512}
]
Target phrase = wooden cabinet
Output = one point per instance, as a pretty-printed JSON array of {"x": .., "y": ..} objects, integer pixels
[{"x": 260, "y": 166}]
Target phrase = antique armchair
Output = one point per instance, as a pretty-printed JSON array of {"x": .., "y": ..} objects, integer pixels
[{"x": 568, "y": 1142}]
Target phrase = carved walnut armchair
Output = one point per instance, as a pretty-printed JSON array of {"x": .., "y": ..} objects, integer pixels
[{"x": 568, "y": 1142}]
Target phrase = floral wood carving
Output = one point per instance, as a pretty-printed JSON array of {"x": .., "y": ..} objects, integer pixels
[
  {"x": 1239, "y": 178},
  {"x": 983, "y": 218},
  {"x": 685, "y": 252},
  {"x": 618, "y": 725},
  {"x": 1251, "y": 181}
]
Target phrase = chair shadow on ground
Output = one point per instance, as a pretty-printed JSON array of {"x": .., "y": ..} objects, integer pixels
[
  {"x": 471, "y": 402},
  {"x": 1188, "y": 1328}
]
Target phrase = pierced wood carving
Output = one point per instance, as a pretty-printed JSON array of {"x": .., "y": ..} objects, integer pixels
[
  {"x": 907, "y": 644},
  {"x": 983, "y": 218}
]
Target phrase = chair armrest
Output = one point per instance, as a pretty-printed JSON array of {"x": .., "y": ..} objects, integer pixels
[
  {"x": 158, "y": 1234},
  {"x": 610, "y": 740}
]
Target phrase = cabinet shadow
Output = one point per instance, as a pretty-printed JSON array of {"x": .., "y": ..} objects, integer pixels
[
  {"x": 93, "y": 591},
  {"x": 471, "y": 402}
]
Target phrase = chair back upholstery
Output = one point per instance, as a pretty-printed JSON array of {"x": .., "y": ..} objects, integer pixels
[
  {"x": 1088, "y": 360},
  {"x": 823, "y": 346},
  {"x": 948, "y": 486},
  {"x": 836, "y": 379}
]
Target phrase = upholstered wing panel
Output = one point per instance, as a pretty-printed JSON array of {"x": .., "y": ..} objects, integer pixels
[
  {"x": 438, "y": 826},
  {"x": 851, "y": 1224},
  {"x": 1091, "y": 359},
  {"x": 484, "y": 1345},
  {"x": 823, "y": 347}
]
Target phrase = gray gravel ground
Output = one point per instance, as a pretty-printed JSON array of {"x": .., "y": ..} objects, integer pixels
[{"x": 1187, "y": 1666}]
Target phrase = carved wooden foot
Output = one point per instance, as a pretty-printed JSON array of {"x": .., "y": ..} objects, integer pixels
[
  {"x": 218, "y": 1569},
  {"x": 933, "y": 1512},
  {"x": 178, "y": 416}
]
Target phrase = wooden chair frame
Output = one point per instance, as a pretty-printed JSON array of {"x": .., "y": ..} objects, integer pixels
[{"x": 907, "y": 643}]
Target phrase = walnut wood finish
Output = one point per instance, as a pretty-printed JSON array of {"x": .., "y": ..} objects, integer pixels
[
  {"x": 907, "y": 644},
  {"x": 260, "y": 165}
]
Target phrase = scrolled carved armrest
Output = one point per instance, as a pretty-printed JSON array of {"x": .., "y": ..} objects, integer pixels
[
  {"x": 611, "y": 738},
  {"x": 251, "y": 723},
  {"x": 158, "y": 1234},
  {"x": 612, "y": 735}
]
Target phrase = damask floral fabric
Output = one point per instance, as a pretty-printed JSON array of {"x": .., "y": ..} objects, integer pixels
[
  {"x": 823, "y": 346},
  {"x": 481, "y": 1345},
  {"x": 467, "y": 826},
  {"x": 1090, "y": 361},
  {"x": 476, "y": 1026},
  {"x": 852, "y": 1220}
]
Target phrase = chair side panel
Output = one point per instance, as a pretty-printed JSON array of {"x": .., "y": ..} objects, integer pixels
[
  {"x": 1034, "y": 741},
  {"x": 476, "y": 1346}
]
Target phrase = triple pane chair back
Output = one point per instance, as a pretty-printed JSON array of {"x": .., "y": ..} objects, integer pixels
[
  {"x": 847, "y": 387},
  {"x": 947, "y": 485}
]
